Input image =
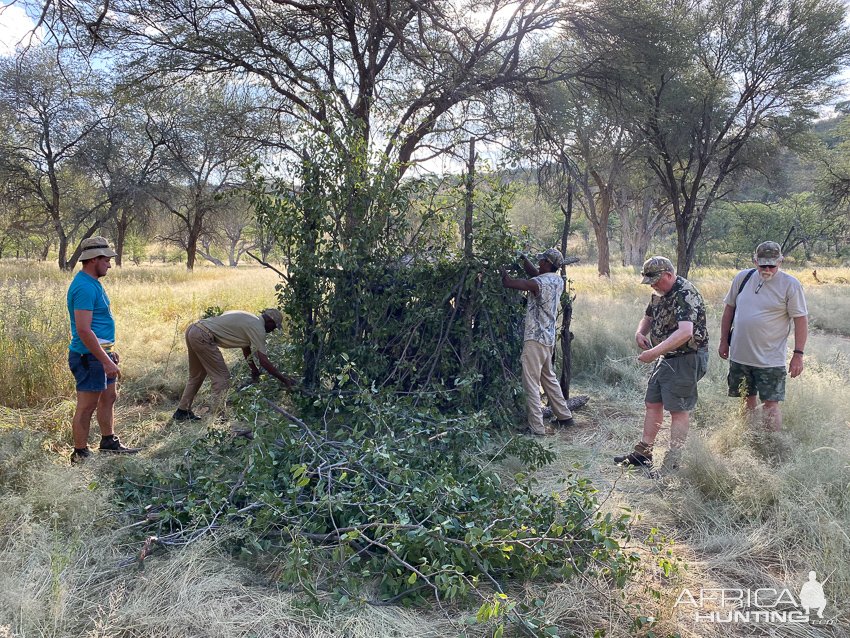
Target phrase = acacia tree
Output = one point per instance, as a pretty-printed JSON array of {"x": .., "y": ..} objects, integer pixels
[
  {"x": 711, "y": 81},
  {"x": 236, "y": 227},
  {"x": 363, "y": 75},
  {"x": 362, "y": 90},
  {"x": 124, "y": 159},
  {"x": 204, "y": 149},
  {"x": 589, "y": 138},
  {"x": 52, "y": 105}
]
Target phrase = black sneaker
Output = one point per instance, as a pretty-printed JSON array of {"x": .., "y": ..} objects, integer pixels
[
  {"x": 113, "y": 444},
  {"x": 640, "y": 456},
  {"x": 185, "y": 415},
  {"x": 80, "y": 456},
  {"x": 565, "y": 423}
]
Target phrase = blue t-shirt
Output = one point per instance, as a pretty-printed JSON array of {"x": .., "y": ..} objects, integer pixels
[{"x": 86, "y": 293}]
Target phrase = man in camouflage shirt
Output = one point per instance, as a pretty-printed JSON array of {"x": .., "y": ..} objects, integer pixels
[
  {"x": 544, "y": 293},
  {"x": 672, "y": 334}
]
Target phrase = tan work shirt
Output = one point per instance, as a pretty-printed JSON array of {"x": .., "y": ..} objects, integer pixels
[{"x": 238, "y": 329}]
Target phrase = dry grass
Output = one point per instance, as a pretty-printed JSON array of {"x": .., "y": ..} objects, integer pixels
[{"x": 747, "y": 510}]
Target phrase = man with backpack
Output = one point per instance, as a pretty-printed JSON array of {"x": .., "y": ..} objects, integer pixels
[{"x": 761, "y": 306}]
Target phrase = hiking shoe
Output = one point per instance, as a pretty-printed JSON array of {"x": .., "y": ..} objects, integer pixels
[
  {"x": 80, "y": 456},
  {"x": 185, "y": 415},
  {"x": 640, "y": 456},
  {"x": 113, "y": 444},
  {"x": 670, "y": 466},
  {"x": 547, "y": 431},
  {"x": 565, "y": 423}
]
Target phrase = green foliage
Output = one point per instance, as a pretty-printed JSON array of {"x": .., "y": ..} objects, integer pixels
[
  {"x": 385, "y": 491},
  {"x": 389, "y": 475},
  {"x": 413, "y": 315},
  {"x": 805, "y": 225},
  {"x": 135, "y": 247},
  {"x": 212, "y": 311}
]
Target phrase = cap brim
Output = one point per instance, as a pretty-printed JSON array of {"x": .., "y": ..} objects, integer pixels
[
  {"x": 651, "y": 280},
  {"x": 767, "y": 262}
]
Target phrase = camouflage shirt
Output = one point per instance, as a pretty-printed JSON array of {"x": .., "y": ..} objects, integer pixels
[
  {"x": 541, "y": 313},
  {"x": 682, "y": 303}
]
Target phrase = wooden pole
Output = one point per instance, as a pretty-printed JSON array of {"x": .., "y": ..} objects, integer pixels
[
  {"x": 470, "y": 192},
  {"x": 567, "y": 303}
]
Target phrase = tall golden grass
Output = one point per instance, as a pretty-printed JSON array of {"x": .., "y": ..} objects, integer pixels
[
  {"x": 747, "y": 510},
  {"x": 152, "y": 306}
]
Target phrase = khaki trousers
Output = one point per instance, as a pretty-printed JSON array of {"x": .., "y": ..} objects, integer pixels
[
  {"x": 537, "y": 371},
  {"x": 204, "y": 359}
]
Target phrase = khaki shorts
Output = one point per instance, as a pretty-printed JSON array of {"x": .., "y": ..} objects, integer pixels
[
  {"x": 747, "y": 381},
  {"x": 673, "y": 382}
]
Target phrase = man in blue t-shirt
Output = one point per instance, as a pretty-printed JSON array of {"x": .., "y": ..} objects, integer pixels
[{"x": 91, "y": 356}]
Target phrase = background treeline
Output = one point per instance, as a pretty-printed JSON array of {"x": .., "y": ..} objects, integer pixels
[{"x": 695, "y": 127}]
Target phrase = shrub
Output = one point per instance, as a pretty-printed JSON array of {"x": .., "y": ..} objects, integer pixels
[{"x": 33, "y": 344}]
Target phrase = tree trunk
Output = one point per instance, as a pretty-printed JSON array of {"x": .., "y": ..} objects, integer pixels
[
  {"x": 192, "y": 240},
  {"x": 683, "y": 263},
  {"x": 603, "y": 258},
  {"x": 63, "y": 249},
  {"x": 121, "y": 224},
  {"x": 638, "y": 225},
  {"x": 191, "y": 250}
]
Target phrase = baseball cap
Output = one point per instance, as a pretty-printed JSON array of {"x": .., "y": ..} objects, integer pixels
[
  {"x": 654, "y": 267},
  {"x": 553, "y": 256},
  {"x": 95, "y": 247},
  {"x": 274, "y": 315},
  {"x": 768, "y": 253}
]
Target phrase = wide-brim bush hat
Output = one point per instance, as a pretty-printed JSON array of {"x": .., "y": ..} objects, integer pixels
[{"x": 95, "y": 247}]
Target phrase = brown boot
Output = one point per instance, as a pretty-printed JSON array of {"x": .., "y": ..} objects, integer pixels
[{"x": 642, "y": 456}]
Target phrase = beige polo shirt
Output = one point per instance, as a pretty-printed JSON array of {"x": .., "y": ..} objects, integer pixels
[
  {"x": 764, "y": 313},
  {"x": 238, "y": 329}
]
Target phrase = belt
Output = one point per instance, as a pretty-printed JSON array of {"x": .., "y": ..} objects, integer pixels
[
  {"x": 84, "y": 358},
  {"x": 673, "y": 355},
  {"x": 204, "y": 329}
]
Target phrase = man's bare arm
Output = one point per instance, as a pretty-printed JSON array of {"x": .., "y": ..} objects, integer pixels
[{"x": 82, "y": 319}]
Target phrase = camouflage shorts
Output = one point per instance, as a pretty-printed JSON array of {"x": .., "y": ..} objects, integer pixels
[{"x": 747, "y": 381}]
